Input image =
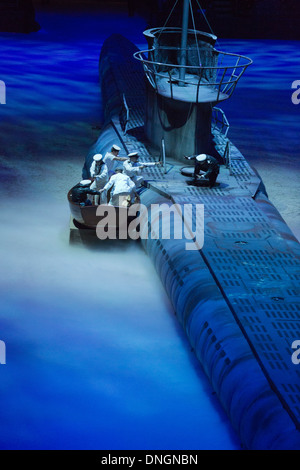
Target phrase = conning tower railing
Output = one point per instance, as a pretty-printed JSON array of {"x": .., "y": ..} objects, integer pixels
[{"x": 213, "y": 82}]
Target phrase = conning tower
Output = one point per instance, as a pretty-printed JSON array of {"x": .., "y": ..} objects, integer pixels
[{"x": 186, "y": 77}]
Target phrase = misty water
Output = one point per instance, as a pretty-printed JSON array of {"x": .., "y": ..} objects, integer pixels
[{"x": 95, "y": 355}]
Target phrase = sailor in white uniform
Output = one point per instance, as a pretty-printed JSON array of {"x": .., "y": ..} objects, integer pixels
[
  {"x": 133, "y": 168},
  {"x": 112, "y": 158},
  {"x": 99, "y": 172},
  {"x": 122, "y": 189}
]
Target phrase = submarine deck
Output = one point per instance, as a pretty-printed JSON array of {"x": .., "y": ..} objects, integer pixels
[
  {"x": 243, "y": 280},
  {"x": 251, "y": 253}
]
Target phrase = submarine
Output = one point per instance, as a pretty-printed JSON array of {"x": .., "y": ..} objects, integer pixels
[{"x": 236, "y": 295}]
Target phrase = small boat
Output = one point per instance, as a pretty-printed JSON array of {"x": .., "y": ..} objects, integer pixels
[{"x": 109, "y": 217}]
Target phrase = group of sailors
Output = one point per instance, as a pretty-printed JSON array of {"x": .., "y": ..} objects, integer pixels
[
  {"x": 110, "y": 181},
  {"x": 119, "y": 185}
]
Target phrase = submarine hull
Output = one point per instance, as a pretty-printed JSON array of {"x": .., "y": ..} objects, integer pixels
[{"x": 236, "y": 297}]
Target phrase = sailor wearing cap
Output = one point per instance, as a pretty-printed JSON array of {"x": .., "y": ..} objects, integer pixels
[
  {"x": 81, "y": 191},
  {"x": 133, "y": 168},
  {"x": 99, "y": 172},
  {"x": 112, "y": 158},
  {"x": 207, "y": 164},
  {"x": 122, "y": 189}
]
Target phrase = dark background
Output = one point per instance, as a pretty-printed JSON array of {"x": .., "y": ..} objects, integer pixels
[{"x": 251, "y": 19}]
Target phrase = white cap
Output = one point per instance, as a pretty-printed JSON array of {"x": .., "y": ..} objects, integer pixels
[
  {"x": 115, "y": 147},
  {"x": 97, "y": 157},
  {"x": 201, "y": 157},
  {"x": 85, "y": 182},
  {"x": 133, "y": 154}
]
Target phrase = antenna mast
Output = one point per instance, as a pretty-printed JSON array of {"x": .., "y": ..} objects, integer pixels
[{"x": 184, "y": 34}]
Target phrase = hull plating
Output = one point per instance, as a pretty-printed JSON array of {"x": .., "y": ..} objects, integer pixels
[{"x": 232, "y": 296}]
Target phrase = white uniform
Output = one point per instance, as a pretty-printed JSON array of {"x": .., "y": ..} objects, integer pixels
[
  {"x": 121, "y": 187},
  {"x": 100, "y": 173},
  {"x": 133, "y": 170},
  {"x": 110, "y": 162}
]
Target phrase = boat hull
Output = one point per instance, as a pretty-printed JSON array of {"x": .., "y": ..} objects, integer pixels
[{"x": 104, "y": 216}]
